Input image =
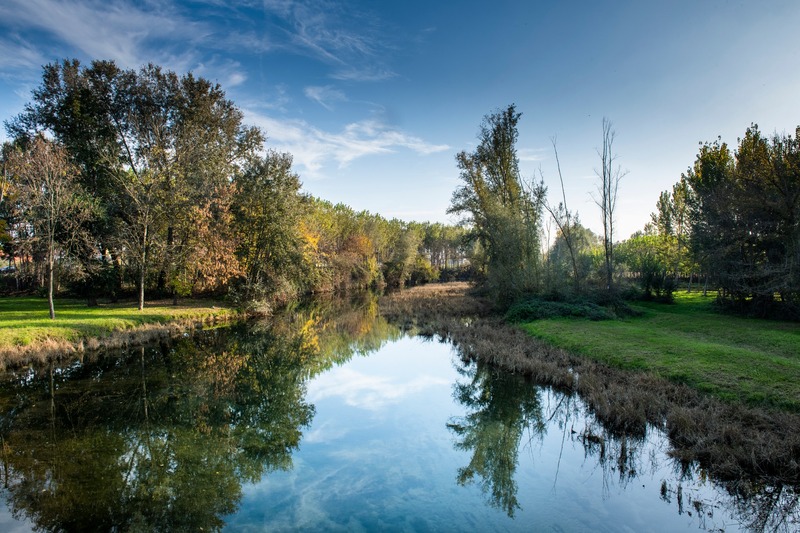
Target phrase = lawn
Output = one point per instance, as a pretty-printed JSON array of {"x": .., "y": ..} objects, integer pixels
[
  {"x": 753, "y": 361},
  {"x": 25, "y": 321}
]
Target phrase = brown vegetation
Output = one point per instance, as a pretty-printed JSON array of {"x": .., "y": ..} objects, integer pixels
[{"x": 732, "y": 442}]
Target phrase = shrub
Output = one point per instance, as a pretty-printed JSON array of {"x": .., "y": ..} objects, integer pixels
[{"x": 535, "y": 309}]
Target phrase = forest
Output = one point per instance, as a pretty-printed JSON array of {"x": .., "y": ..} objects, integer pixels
[{"x": 121, "y": 183}]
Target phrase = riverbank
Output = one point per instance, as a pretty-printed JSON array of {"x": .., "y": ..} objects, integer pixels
[
  {"x": 736, "y": 359},
  {"x": 731, "y": 440},
  {"x": 28, "y": 335}
]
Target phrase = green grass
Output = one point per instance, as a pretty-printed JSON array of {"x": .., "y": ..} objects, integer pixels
[
  {"x": 752, "y": 361},
  {"x": 25, "y": 320}
]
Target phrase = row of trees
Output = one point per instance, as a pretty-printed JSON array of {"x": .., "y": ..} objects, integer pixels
[
  {"x": 117, "y": 179},
  {"x": 732, "y": 222},
  {"x": 733, "y": 218},
  {"x": 505, "y": 214}
]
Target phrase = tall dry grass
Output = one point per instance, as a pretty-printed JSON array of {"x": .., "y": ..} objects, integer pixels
[{"x": 732, "y": 442}]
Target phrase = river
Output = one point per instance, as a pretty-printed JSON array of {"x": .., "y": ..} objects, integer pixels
[{"x": 328, "y": 417}]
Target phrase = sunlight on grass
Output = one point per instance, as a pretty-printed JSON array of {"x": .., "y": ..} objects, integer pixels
[
  {"x": 25, "y": 321},
  {"x": 737, "y": 359}
]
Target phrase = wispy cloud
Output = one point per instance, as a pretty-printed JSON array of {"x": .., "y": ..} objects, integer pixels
[
  {"x": 363, "y": 74},
  {"x": 532, "y": 154},
  {"x": 17, "y": 54},
  {"x": 113, "y": 29},
  {"x": 314, "y": 148},
  {"x": 348, "y": 40},
  {"x": 324, "y": 96},
  {"x": 228, "y": 73}
]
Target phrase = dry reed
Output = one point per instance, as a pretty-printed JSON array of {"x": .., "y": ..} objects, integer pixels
[{"x": 730, "y": 441}]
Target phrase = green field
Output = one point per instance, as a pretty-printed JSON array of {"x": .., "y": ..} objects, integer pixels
[
  {"x": 753, "y": 361},
  {"x": 24, "y": 321}
]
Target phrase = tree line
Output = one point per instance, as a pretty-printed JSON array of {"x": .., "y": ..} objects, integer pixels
[
  {"x": 120, "y": 182},
  {"x": 731, "y": 223}
]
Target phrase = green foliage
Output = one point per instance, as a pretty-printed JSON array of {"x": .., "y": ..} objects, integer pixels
[
  {"x": 423, "y": 272},
  {"x": 504, "y": 215},
  {"x": 571, "y": 263},
  {"x": 267, "y": 210},
  {"x": 647, "y": 256},
  {"x": 744, "y": 210},
  {"x": 537, "y": 309},
  {"x": 736, "y": 359}
]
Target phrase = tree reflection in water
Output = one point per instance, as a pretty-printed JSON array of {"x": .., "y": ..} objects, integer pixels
[
  {"x": 501, "y": 407},
  {"x": 162, "y": 438}
]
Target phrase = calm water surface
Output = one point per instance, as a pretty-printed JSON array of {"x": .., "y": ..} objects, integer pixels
[{"x": 331, "y": 419}]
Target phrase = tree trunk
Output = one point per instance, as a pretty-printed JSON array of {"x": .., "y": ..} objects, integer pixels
[
  {"x": 50, "y": 277},
  {"x": 142, "y": 269}
]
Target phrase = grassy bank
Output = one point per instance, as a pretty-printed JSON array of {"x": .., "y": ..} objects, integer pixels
[
  {"x": 736, "y": 359},
  {"x": 26, "y": 331}
]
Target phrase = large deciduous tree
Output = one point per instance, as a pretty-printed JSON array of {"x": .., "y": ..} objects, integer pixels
[
  {"x": 159, "y": 151},
  {"x": 505, "y": 216}
]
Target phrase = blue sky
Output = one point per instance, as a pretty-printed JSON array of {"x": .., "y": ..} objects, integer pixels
[{"x": 375, "y": 98}]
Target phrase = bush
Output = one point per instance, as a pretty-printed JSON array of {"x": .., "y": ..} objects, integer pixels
[{"x": 535, "y": 309}]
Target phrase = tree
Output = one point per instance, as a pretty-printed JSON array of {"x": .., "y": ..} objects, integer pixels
[
  {"x": 49, "y": 201},
  {"x": 268, "y": 209},
  {"x": 566, "y": 222},
  {"x": 73, "y": 105},
  {"x": 744, "y": 220},
  {"x": 573, "y": 256},
  {"x": 607, "y": 197},
  {"x": 504, "y": 215},
  {"x": 148, "y": 143}
]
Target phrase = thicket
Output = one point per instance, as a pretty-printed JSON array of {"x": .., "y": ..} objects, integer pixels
[{"x": 165, "y": 190}]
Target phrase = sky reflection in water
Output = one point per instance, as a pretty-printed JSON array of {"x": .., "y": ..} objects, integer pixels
[{"x": 379, "y": 455}]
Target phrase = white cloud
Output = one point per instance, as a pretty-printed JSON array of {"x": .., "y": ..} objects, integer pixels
[
  {"x": 324, "y": 96},
  {"x": 313, "y": 148},
  {"x": 107, "y": 29},
  {"x": 367, "y": 392}
]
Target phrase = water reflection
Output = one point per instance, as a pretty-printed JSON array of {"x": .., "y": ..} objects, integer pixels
[
  {"x": 501, "y": 409},
  {"x": 181, "y": 436},
  {"x": 162, "y": 438},
  {"x": 506, "y": 413},
  {"x": 159, "y": 440}
]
